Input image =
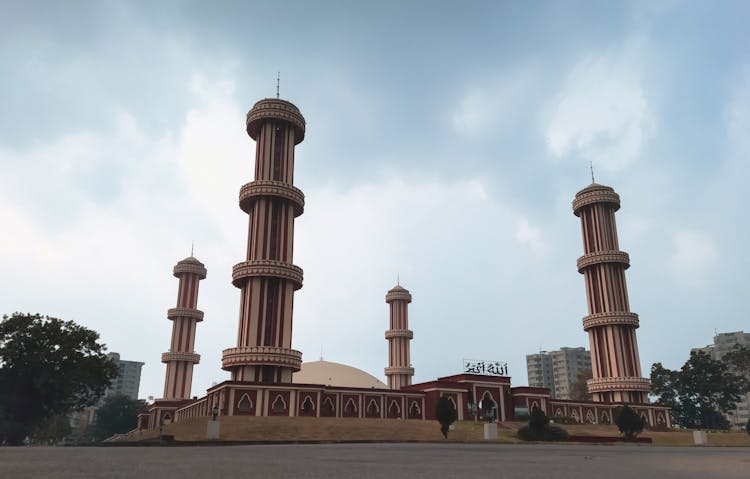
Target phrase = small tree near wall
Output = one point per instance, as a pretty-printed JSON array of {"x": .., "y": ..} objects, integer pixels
[{"x": 446, "y": 414}]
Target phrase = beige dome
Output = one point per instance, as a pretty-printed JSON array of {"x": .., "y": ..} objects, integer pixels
[{"x": 335, "y": 374}]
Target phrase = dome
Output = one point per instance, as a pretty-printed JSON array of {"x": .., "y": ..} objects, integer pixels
[
  {"x": 190, "y": 265},
  {"x": 335, "y": 374},
  {"x": 595, "y": 187},
  {"x": 190, "y": 260}
]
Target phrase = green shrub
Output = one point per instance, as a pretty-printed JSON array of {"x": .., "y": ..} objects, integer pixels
[
  {"x": 555, "y": 433},
  {"x": 446, "y": 414},
  {"x": 539, "y": 429},
  {"x": 628, "y": 421}
]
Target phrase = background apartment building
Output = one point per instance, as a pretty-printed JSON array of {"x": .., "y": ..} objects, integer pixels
[
  {"x": 724, "y": 343},
  {"x": 557, "y": 370}
]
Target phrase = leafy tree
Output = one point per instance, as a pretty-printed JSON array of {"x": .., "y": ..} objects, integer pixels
[
  {"x": 628, "y": 421},
  {"x": 739, "y": 360},
  {"x": 51, "y": 431},
  {"x": 540, "y": 429},
  {"x": 579, "y": 390},
  {"x": 700, "y": 393},
  {"x": 538, "y": 421},
  {"x": 446, "y": 414},
  {"x": 48, "y": 367},
  {"x": 118, "y": 414}
]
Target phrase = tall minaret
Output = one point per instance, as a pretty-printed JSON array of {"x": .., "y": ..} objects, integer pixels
[
  {"x": 399, "y": 370},
  {"x": 181, "y": 357},
  {"x": 611, "y": 326},
  {"x": 267, "y": 278}
]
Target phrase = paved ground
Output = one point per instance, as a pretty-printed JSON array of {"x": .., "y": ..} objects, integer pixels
[{"x": 377, "y": 461}]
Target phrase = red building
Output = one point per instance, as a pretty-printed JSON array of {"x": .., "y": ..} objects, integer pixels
[{"x": 262, "y": 364}]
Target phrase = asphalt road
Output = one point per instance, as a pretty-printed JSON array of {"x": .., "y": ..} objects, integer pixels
[{"x": 377, "y": 461}]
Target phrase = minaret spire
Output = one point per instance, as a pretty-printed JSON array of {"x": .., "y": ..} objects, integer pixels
[
  {"x": 278, "y": 80},
  {"x": 591, "y": 165}
]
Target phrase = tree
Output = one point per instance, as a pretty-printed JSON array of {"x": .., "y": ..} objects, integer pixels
[
  {"x": 446, "y": 414},
  {"x": 747, "y": 427},
  {"x": 739, "y": 360},
  {"x": 540, "y": 429},
  {"x": 700, "y": 393},
  {"x": 628, "y": 421},
  {"x": 48, "y": 367},
  {"x": 538, "y": 421},
  {"x": 579, "y": 389},
  {"x": 51, "y": 431},
  {"x": 118, "y": 414}
]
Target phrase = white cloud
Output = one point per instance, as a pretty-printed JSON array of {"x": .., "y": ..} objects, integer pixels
[
  {"x": 694, "y": 258},
  {"x": 531, "y": 237},
  {"x": 602, "y": 113},
  {"x": 485, "y": 108}
]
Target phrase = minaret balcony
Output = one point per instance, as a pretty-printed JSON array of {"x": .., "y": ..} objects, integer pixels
[
  {"x": 622, "y": 318},
  {"x": 598, "y": 257},
  {"x": 593, "y": 195},
  {"x": 618, "y": 384},
  {"x": 397, "y": 370},
  {"x": 270, "y": 109},
  {"x": 250, "y": 192},
  {"x": 261, "y": 356},
  {"x": 399, "y": 333},
  {"x": 188, "y": 313},
  {"x": 180, "y": 356},
  {"x": 266, "y": 268}
]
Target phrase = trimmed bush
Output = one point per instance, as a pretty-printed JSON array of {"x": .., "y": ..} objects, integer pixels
[
  {"x": 539, "y": 429},
  {"x": 628, "y": 421},
  {"x": 446, "y": 414}
]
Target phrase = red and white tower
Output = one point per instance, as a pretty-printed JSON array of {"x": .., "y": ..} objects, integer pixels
[
  {"x": 181, "y": 357},
  {"x": 610, "y": 324},
  {"x": 267, "y": 278},
  {"x": 399, "y": 371}
]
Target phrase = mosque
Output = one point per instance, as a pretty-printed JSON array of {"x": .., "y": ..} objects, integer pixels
[{"x": 268, "y": 378}]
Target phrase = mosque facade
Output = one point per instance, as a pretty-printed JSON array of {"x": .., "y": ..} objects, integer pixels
[{"x": 263, "y": 366}]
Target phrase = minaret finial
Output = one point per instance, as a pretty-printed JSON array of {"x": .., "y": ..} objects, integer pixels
[
  {"x": 398, "y": 279},
  {"x": 192, "y": 247},
  {"x": 591, "y": 165},
  {"x": 278, "y": 79}
]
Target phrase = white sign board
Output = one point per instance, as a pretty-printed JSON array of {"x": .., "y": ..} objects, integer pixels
[{"x": 487, "y": 368}]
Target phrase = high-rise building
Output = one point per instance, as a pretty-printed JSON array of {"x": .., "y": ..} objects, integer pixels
[
  {"x": 724, "y": 343},
  {"x": 557, "y": 370},
  {"x": 128, "y": 379},
  {"x": 616, "y": 366}
]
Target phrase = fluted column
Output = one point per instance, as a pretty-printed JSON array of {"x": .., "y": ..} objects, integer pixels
[
  {"x": 399, "y": 371},
  {"x": 267, "y": 278},
  {"x": 611, "y": 326},
  {"x": 180, "y": 358}
]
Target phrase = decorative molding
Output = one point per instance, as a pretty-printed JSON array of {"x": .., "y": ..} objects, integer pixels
[
  {"x": 399, "y": 333},
  {"x": 265, "y": 268},
  {"x": 261, "y": 356},
  {"x": 250, "y": 192},
  {"x": 189, "y": 313},
  {"x": 275, "y": 109},
  {"x": 180, "y": 356},
  {"x": 607, "y": 319},
  {"x": 190, "y": 268},
  {"x": 587, "y": 197},
  {"x": 618, "y": 384},
  {"x": 598, "y": 257},
  {"x": 398, "y": 296}
]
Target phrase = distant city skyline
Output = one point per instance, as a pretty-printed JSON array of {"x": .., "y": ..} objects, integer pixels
[{"x": 445, "y": 144}]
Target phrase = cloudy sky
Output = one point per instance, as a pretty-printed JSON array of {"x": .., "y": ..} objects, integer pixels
[{"x": 445, "y": 143}]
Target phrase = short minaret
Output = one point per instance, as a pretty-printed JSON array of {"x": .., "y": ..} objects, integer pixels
[
  {"x": 181, "y": 357},
  {"x": 399, "y": 371},
  {"x": 615, "y": 363}
]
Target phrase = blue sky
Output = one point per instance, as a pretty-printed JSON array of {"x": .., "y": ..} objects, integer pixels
[{"x": 445, "y": 143}]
